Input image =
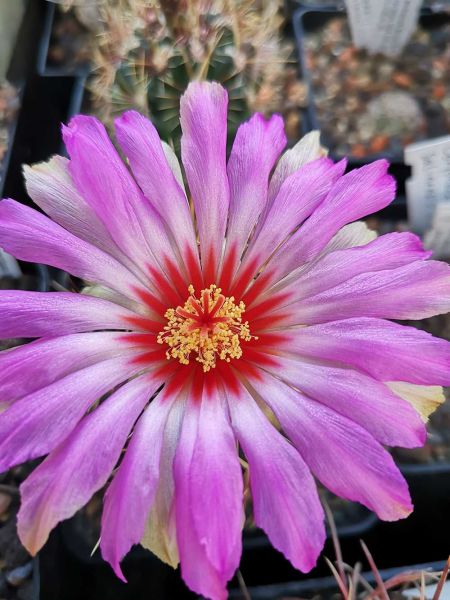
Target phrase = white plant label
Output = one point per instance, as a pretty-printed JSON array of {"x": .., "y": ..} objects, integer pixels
[
  {"x": 382, "y": 25},
  {"x": 429, "y": 185},
  {"x": 437, "y": 238},
  {"x": 9, "y": 267}
]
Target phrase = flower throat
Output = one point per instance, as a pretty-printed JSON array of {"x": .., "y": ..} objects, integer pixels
[{"x": 210, "y": 326}]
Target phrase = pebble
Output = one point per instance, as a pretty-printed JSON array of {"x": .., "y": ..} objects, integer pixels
[
  {"x": 382, "y": 103},
  {"x": 18, "y": 575}
]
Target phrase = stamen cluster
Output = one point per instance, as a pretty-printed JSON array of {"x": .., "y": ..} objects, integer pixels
[{"x": 211, "y": 327}]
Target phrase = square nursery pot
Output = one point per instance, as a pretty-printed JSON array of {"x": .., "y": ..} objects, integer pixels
[
  {"x": 322, "y": 588},
  {"x": 47, "y": 103},
  {"x": 18, "y": 75},
  {"x": 62, "y": 49},
  {"x": 69, "y": 570},
  {"x": 382, "y": 104}
]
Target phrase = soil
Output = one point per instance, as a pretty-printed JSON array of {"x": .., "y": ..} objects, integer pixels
[
  {"x": 9, "y": 106},
  {"x": 69, "y": 43},
  {"x": 369, "y": 105},
  {"x": 16, "y": 565}
]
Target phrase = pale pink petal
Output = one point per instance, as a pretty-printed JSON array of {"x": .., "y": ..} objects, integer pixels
[
  {"x": 142, "y": 146},
  {"x": 105, "y": 183},
  {"x": 203, "y": 116},
  {"x": 355, "y": 195},
  {"x": 27, "y": 368},
  {"x": 386, "y": 351},
  {"x": 29, "y": 235},
  {"x": 344, "y": 457},
  {"x": 256, "y": 147},
  {"x": 36, "y": 314},
  {"x": 160, "y": 532},
  {"x": 128, "y": 499},
  {"x": 81, "y": 465},
  {"x": 285, "y": 500},
  {"x": 38, "y": 422},
  {"x": 50, "y": 186},
  {"x": 357, "y": 396},
  {"x": 351, "y": 235},
  {"x": 208, "y": 496},
  {"x": 305, "y": 150}
]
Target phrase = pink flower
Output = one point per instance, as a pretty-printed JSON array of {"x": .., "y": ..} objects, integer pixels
[{"x": 260, "y": 301}]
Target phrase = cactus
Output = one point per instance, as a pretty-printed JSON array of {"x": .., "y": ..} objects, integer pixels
[{"x": 144, "y": 53}]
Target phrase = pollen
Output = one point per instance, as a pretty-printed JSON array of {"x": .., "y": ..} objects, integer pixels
[{"x": 209, "y": 328}]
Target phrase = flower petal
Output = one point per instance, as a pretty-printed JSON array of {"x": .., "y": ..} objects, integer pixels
[
  {"x": 129, "y": 497},
  {"x": 31, "y": 236},
  {"x": 256, "y": 147},
  {"x": 208, "y": 496},
  {"x": 140, "y": 143},
  {"x": 310, "y": 184},
  {"x": 414, "y": 291},
  {"x": 81, "y": 465},
  {"x": 355, "y": 195},
  {"x": 27, "y": 368},
  {"x": 357, "y": 396},
  {"x": 344, "y": 457},
  {"x": 307, "y": 149},
  {"x": 285, "y": 500},
  {"x": 35, "y": 314},
  {"x": 386, "y": 351},
  {"x": 50, "y": 186},
  {"x": 105, "y": 183},
  {"x": 37, "y": 423},
  {"x": 203, "y": 116},
  {"x": 160, "y": 531},
  {"x": 424, "y": 398},
  {"x": 386, "y": 252}
]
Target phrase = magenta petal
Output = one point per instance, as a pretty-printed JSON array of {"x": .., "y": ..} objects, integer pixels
[
  {"x": 345, "y": 458},
  {"x": 414, "y": 291},
  {"x": 359, "y": 397},
  {"x": 388, "y": 251},
  {"x": 81, "y": 465},
  {"x": 51, "y": 187},
  {"x": 203, "y": 115},
  {"x": 285, "y": 500},
  {"x": 209, "y": 495},
  {"x": 299, "y": 196},
  {"x": 105, "y": 183},
  {"x": 128, "y": 499},
  {"x": 141, "y": 144},
  {"x": 37, "y": 423},
  {"x": 32, "y": 366},
  {"x": 29, "y": 235},
  {"x": 385, "y": 350},
  {"x": 355, "y": 195},
  {"x": 256, "y": 147},
  {"x": 35, "y": 314}
]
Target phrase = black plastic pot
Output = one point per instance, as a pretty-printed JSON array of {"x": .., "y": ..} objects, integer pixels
[
  {"x": 325, "y": 587},
  {"x": 18, "y": 74},
  {"x": 47, "y": 103},
  {"x": 69, "y": 572},
  {"x": 356, "y": 528},
  {"x": 306, "y": 20},
  {"x": 44, "y": 63}
]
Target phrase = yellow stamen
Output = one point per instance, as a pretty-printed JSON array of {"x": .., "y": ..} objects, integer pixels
[{"x": 210, "y": 327}]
